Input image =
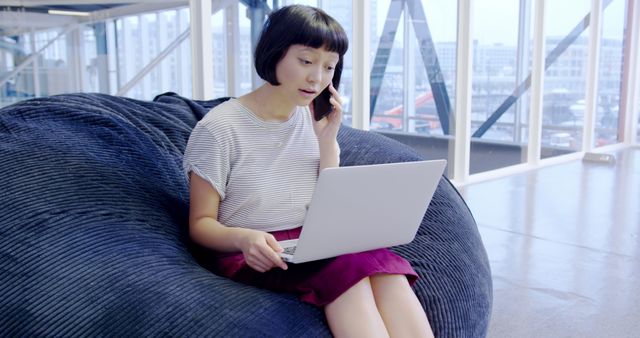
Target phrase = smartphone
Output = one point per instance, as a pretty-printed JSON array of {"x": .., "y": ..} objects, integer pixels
[{"x": 321, "y": 105}]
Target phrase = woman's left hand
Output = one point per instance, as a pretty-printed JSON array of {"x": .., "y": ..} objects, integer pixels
[{"x": 327, "y": 128}]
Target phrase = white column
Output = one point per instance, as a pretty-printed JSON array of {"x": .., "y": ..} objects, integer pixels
[
  {"x": 459, "y": 169},
  {"x": 361, "y": 69},
  {"x": 537, "y": 85},
  {"x": 36, "y": 66},
  {"x": 591, "y": 99},
  {"x": 201, "y": 49},
  {"x": 75, "y": 56}
]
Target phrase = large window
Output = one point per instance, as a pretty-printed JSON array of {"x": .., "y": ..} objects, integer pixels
[
  {"x": 567, "y": 51},
  {"x": 342, "y": 11},
  {"x": 413, "y": 66},
  {"x": 413, "y": 52},
  {"x": 139, "y": 41},
  {"x": 607, "y": 123},
  {"x": 501, "y": 63}
]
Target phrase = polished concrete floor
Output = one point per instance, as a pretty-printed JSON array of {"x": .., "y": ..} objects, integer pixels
[{"x": 564, "y": 246}]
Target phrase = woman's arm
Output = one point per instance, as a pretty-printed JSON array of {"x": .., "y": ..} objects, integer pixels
[{"x": 259, "y": 248}]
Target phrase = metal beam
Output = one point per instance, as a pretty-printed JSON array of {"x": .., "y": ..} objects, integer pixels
[
  {"x": 431, "y": 63},
  {"x": 383, "y": 53},
  {"x": 126, "y": 87},
  {"x": 427, "y": 50}
]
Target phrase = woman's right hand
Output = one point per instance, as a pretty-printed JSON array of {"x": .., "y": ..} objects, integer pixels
[{"x": 260, "y": 250}]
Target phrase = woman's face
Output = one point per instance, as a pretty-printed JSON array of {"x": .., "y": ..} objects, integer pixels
[{"x": 304, "y": 72}]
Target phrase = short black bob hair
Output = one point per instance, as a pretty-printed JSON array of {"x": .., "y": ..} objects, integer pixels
[{"x": 297, "y": 25}]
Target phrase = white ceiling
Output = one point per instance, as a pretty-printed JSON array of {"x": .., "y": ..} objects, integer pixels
[{"x": 19, "y": 16}]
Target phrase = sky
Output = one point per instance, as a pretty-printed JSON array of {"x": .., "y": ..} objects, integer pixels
[{"x": 496, "y": 21}]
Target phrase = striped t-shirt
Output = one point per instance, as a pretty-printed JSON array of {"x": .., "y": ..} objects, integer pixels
[{"x": 264, "y": 171}]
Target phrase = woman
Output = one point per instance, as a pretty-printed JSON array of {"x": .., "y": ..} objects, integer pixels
[{"x": 253, "y": 163}]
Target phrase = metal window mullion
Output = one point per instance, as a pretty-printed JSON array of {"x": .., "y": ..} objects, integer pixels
[
  {"x": 112, "y": 55},
  {"x": 461, "y": 117},
  {"x": 632, "y": 85},
  {"x": 75, "y": 53},
  {"x": 35, "y": 67},
  {"x": 522, "y": 71},
  {"x": 537, "y": 85},
  {"x": 232, "y": 39},
  {"x": 360, "y": 104},
  {"x": 409, "y": 76},
  {"x": 201, "y": 49},
  {"x": 591, "y": 99},
  {"x": 183, "y": 81}
]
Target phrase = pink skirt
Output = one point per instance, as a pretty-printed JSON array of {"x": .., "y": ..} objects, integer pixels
[{"x": 319, "y": 282}]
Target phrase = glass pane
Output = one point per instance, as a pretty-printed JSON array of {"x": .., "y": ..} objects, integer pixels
[
  {"x": 423, "y": 114},
  {"x": 246, "y": 52},
  {"x": 414, "y": 62},
  {"x": 139, "y": 41},
  {"x": 219, "y": 50},
  {"x": 500, "y": 64},
  {"x": 607, "y": 123},
  {"x": 422, "y": 33},
  {"x": 342, "y": 11},
  {"x": 565, "y": 78},
  {"x": 387, "y": 84}
]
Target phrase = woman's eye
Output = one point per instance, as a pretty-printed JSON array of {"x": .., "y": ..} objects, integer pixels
[{"x": 305, "y": 62}]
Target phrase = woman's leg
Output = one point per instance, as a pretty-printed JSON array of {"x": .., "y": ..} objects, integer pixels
[
  {"x": 354, "y": 313},
  {"x": 399, "y": 307}
]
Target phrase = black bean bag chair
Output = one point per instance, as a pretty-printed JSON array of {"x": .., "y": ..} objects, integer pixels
[{"x": 93, "y": 231}]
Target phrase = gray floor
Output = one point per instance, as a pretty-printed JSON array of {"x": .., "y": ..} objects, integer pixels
[{"x": 564, "y": 247}]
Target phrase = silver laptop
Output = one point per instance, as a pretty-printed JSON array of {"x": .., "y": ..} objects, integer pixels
[{"x": 360, "y": 208}]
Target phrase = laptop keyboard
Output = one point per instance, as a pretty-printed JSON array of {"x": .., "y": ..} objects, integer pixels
[{"x": 289, "y": 250}]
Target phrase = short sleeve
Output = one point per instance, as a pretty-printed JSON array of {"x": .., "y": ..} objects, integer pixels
[{"x": 208, "y": 158}]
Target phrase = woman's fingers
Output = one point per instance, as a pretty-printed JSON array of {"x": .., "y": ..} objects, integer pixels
[
  {"x": 258, "y": 262},
  {"x": 262, "y": 255},
  {"x": 271, "y": 252}
]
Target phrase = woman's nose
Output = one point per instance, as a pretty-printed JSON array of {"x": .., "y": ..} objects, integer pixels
[{"x": 315, "y": 75}]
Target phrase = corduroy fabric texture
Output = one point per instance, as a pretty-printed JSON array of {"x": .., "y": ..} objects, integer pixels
[{"x": 93, "y": 220}]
